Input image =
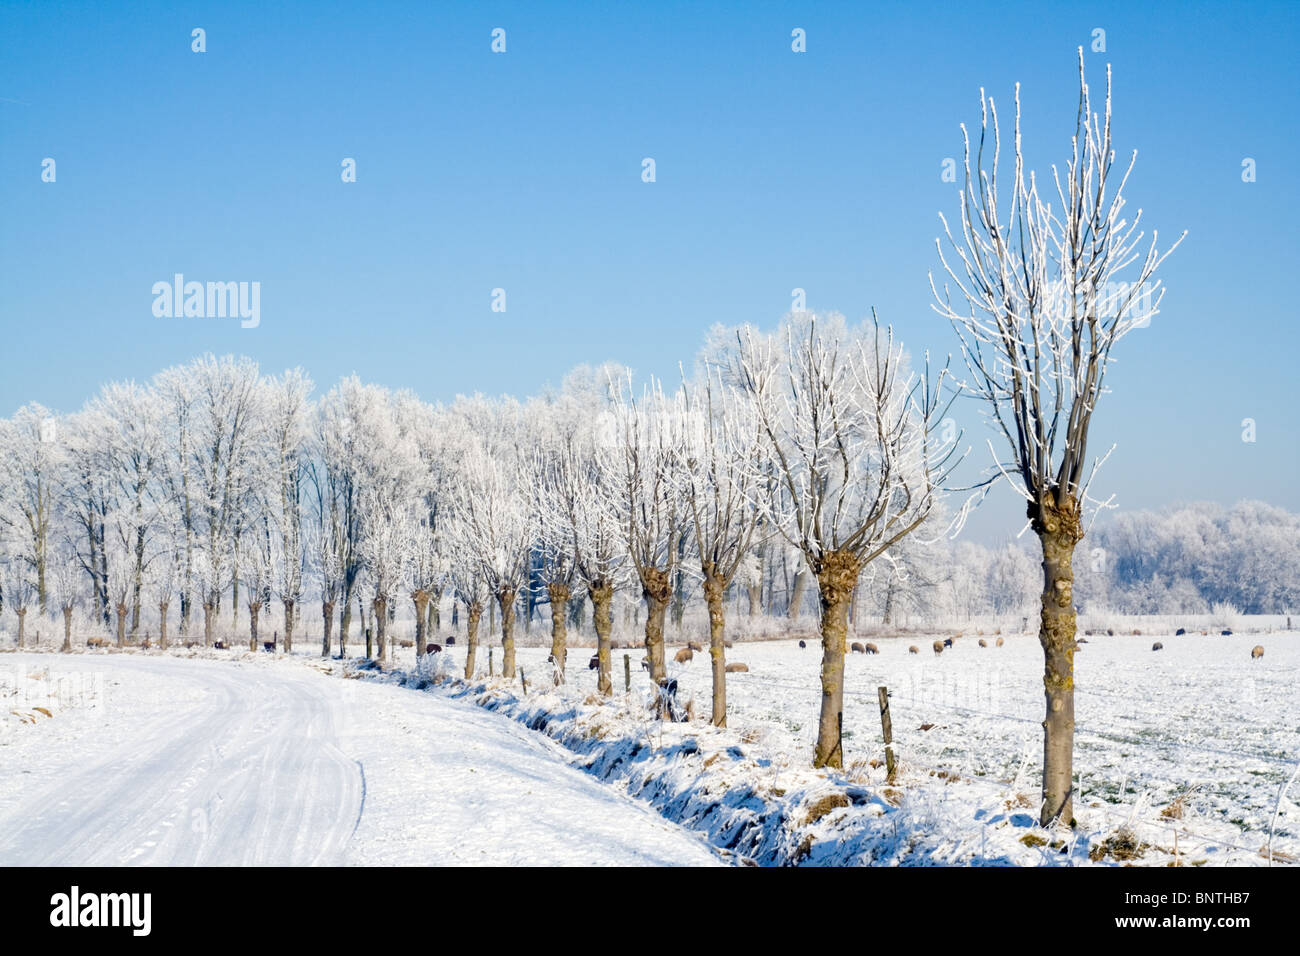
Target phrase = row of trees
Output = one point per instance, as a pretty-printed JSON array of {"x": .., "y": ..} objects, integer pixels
[{"x": 215, "y": 487}]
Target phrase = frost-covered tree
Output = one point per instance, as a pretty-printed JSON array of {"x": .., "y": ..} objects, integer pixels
[
  {"x": 30, "y": 454},
  {"x": 848, "y": 434},
  {"x": 649, "y": 439},
  {"x": 578, "y": 515},
  {"x": 287, "y": 402},
  {"x": 1039, "y": 296},
  {"x": 720, "y": 479},
  {"x": 491, "y": 506}
]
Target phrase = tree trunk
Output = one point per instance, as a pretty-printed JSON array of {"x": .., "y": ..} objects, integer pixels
[
  {"x": 207, "y": 623},
  {"x": 121, "y": 610},
  {"x": 714, "y": 590},
  {"x": 380, "y": 608},
  {"x": 67, "y": 630},
  {"x": 506, "y": 598},
  {"x": 755, "y": 598},
  {"x": 421, "y": 599},
  {"x": 796, "y": 595},
  {"x": 658, "y": 591},
  {"x": 289, "y": 611},
  {"x": 254, "y": 609},
  {"x": 473, "y": 613},
  {"x": 559, "y": 595},
  {"x": 837, "y": 572},
  {"x": 434, "y": 623},
  {"x": 1059, "y": 531},
  {"x": 162, "y": 624},
  {"x": 22, "y": 628},
  {"x": 602, "y": 596},
  {"x": 327, "y": 614}
]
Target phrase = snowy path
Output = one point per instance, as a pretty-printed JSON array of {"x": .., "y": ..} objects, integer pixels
[{"x": 187, "y": 762}]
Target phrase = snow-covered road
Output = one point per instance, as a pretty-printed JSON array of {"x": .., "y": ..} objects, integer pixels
[{"x": 179, "y": 762}]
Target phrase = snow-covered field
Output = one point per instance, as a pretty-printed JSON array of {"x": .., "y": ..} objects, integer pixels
[
  {"x": 1191, "y": 744},
  {"x": 153, "y": 759}
]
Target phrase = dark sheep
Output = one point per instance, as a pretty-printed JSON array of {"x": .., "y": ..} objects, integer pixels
[
  {"x": 947, "y": 642},
  {"x": 1227, "y": 632},
  {"x": 451, "y": 641},
  {"x": 802, "y": 644},
  {"x": 1110, "y": 632},
  {"x": 857, "y": 648},
  {"x": 1157, "y": 646},
  {"x": 871, "y": 649},
  {"x": 1180, "y": 632},
  {"x": 433, "y": 648},
  {"x": 594, "y": 662}
]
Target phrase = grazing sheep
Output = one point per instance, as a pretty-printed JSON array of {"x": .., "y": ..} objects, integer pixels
[
  {"x": 684, "y": 655},
  {"x": 1157, "y": 646},
  {"x": 914, "y": 650},
  {"x": 856, "y": 648},
  {"x": 871, "y": 648},
  {"x": 406, "y": 643},
  {"x": 948, "y": 642},
  {"x": 692, "y": 646},
  {"x": 1227, "y": 632},
  {"x": 594, "y": 662},
  {"x": 451, "y": 641},
  {"x": 938, "y": 648},
  {"x": 1180, "y": 632},
  {"x": 219, "y": 645},
  {"x": 433, "y": 648},
  {"x": 96, "y": 642},
  {"x": 1110, "y": 632},
  {"x": 737, "y": 669},
  {"x": 1082, "y": 640},
  {"x": 999, "y": 642},
  {"x": 802, "y": 644},
  {"x": 1137, "y": 633},
  {"x": 1257, "y": 652},
  {"x": 983, "y": 643}
]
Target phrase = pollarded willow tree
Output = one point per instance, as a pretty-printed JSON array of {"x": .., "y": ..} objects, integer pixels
[
  {"x": 720, "y": 479},
  {"x": 491, "y": 518},
  {"x": 648, "y": 447},
  {"x": 578, "y": 518},
  {"x": 848, "y": 433},
  {"x": 1043, "y": 295}
]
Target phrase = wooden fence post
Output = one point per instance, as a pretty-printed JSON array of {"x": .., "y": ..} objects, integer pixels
[
  {"x": 491, "y": 673},
  {"x": 887, "y": 727},
  {"x": 627, "y": 673},
  {"x": 522, "y": 680}
]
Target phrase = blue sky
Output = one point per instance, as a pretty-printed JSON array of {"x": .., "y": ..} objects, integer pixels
[{"x": 522, "y": 171}]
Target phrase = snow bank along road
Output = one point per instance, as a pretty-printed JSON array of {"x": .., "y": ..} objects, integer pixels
[{"x": 160, "y": 760}]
